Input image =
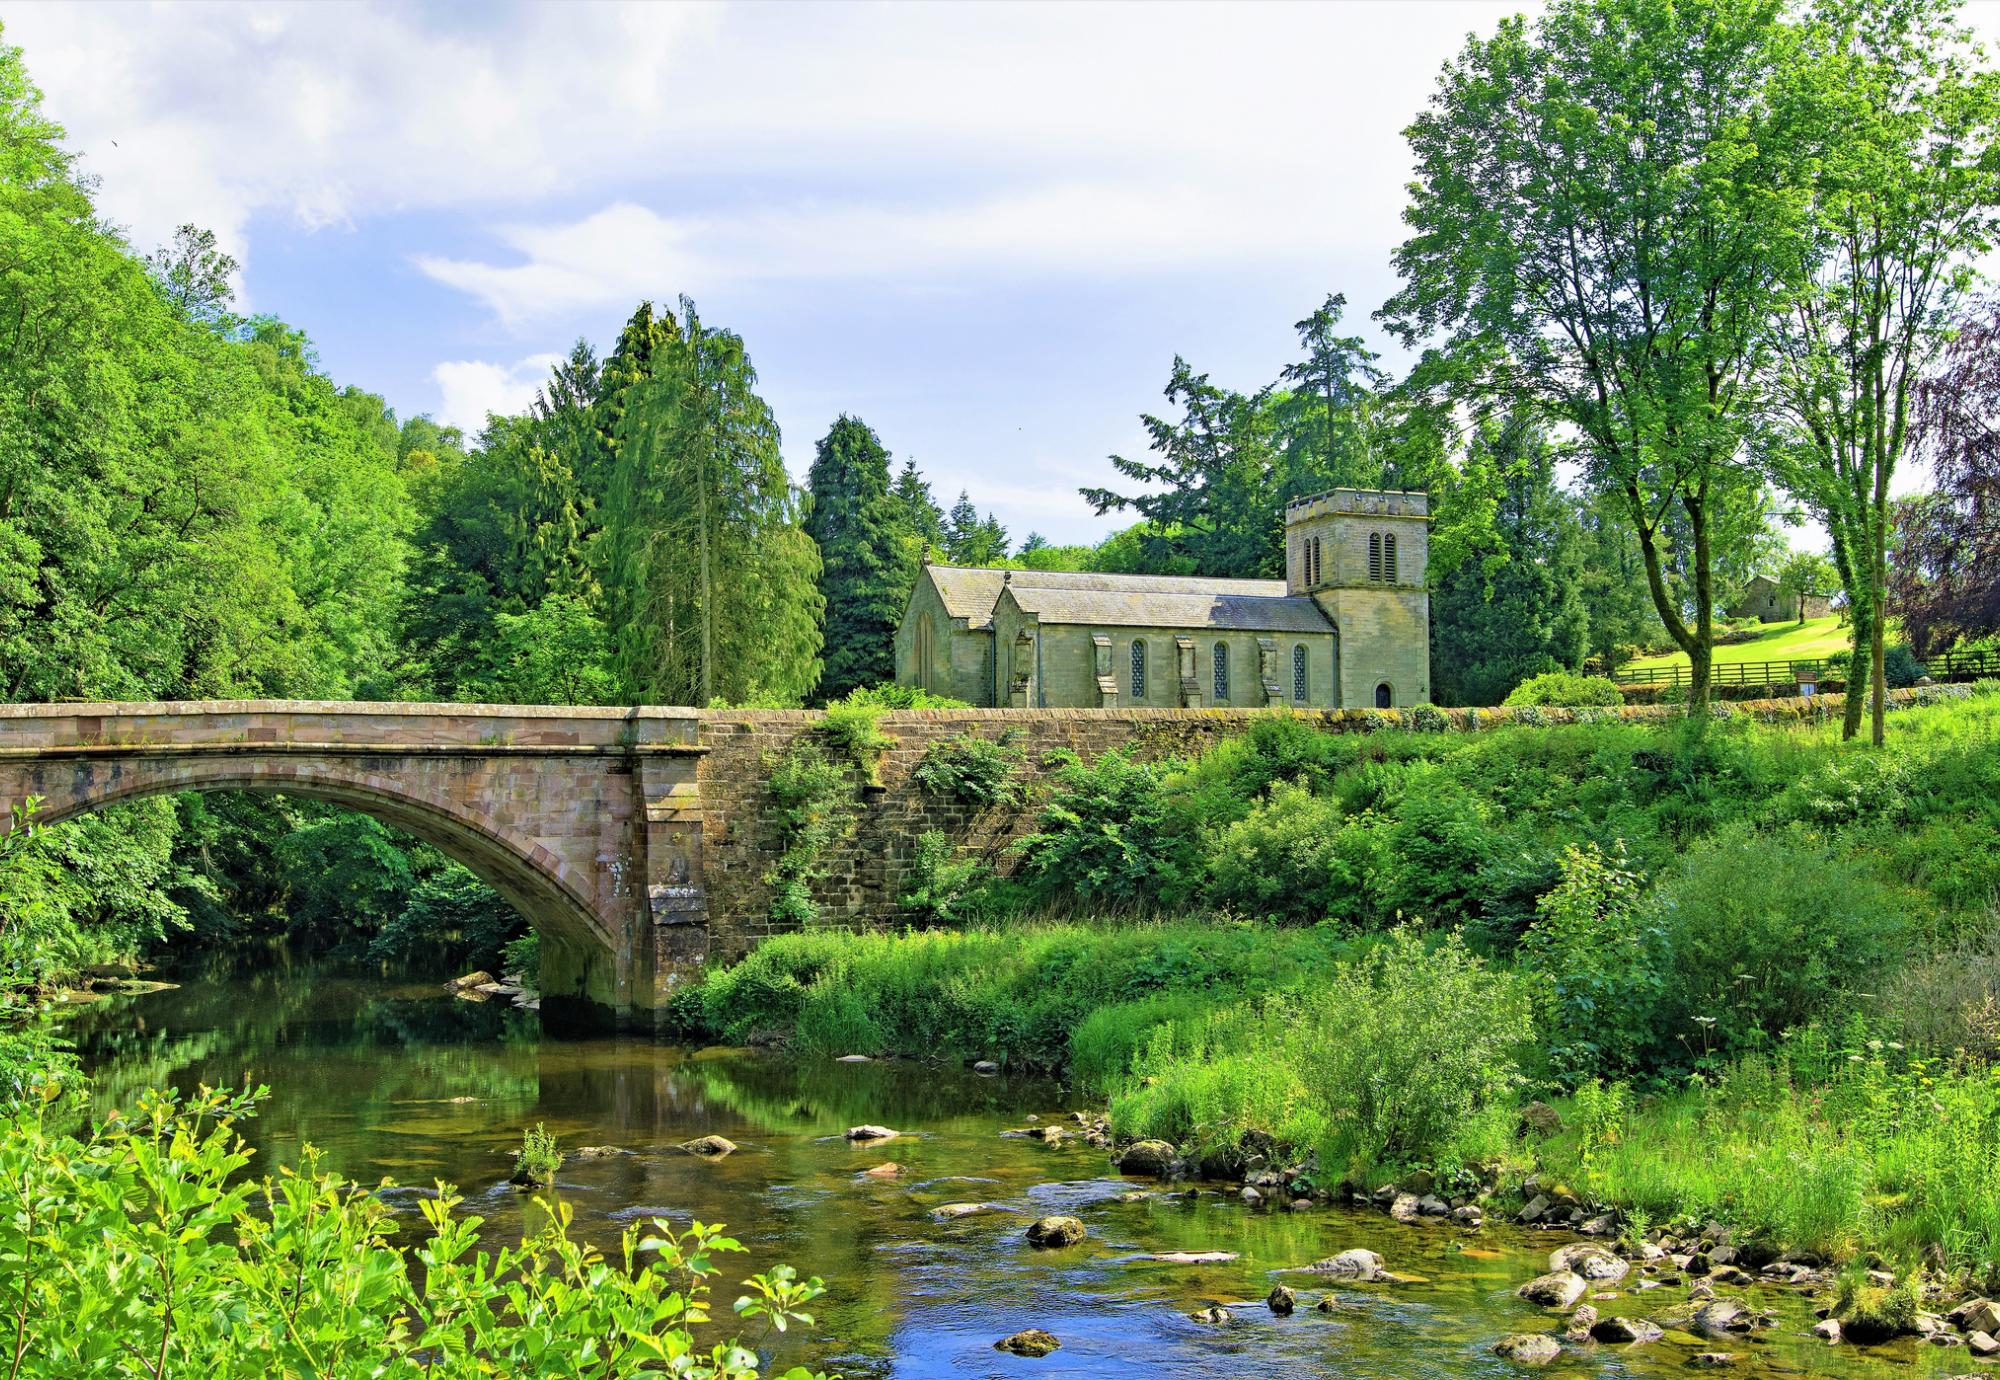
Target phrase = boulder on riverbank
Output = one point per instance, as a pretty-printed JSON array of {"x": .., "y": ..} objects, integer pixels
[
  {"x": 471, "y": 982},
  {"x": 1046, "y": 1233}
]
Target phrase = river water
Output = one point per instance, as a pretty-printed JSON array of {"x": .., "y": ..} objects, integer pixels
[{"x": 404, "y": 1082}]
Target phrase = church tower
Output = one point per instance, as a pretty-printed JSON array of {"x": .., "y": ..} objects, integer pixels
[{"x": 1360, "y": 555}]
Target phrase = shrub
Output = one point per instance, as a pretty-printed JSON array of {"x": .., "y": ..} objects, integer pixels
[
  {"x": 853, "y": 730},
  {"x": 1438, "y": 845},
  {"x": 1598, "y": 954},
  {"x": 538, "y": 1159},
  {"x": 974, "y": 771},
  {"x": 1567, "y": 689},
  {"x": 1298, "y": 859},
  {"x": 1947, "y": 1005},
  {"x": 890, "y": 695},
  {"x": 141, "y": 1248},
  {"x": 812, "y": 805},
  {"x": 1110, "y": 837},
  {"x": 941, "y": 889},
  {"x": 1764, "y": 933},
  {"x": 522, "y": 955}
]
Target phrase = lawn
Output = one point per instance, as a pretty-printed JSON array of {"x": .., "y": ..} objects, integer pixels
[{"x": 1815, "y": 638}]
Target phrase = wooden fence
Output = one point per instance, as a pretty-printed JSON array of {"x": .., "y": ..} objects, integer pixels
[{"x": 1946, "y": 666}]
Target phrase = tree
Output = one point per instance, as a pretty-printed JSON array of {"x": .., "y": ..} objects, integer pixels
[
  {"x": 194, "y": 274},
  {"x": 923, "y": 520},
  {"x": 865, "y": 567},
  {"x": 1509, "y": 604},
  {"x": 1328, "y": 416},
  {"x": 970, "y": 539},
  {"x": 1214, "y": 495},
  {"x": 712, "y": 583},
  {"x": 1944, "y": 572},
  {"x": 1600, "y": 214},
  {"x": 1899, "y": 119},
  {"x": 1805, "y": 575}
]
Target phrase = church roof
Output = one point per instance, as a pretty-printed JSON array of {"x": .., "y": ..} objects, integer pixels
[{"x": 1128, "y": 601}]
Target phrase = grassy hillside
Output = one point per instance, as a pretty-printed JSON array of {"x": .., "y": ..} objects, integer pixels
[{"x": 1815, "y": 638}]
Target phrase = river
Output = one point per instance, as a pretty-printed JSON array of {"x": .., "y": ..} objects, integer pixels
[{"x": 401, "y": 1081}]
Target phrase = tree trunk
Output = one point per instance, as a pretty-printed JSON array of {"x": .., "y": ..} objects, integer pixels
[{"x": 1878, "y": 640}]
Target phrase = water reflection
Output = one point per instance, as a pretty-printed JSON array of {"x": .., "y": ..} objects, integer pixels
[{"x": 404, "y": 1082}]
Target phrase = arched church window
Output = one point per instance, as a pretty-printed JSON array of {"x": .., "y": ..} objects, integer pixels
[
  {"x": 1299, "y": 684},
  {"x": 1222, "y": 673},
  {"x": 1138, "y": 669}
]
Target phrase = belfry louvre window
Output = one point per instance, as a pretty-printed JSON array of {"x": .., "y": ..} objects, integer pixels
[
  {"x": 1313, "y": 571},
  {"x": 1138, "y": 669},
  {"x": 1389, "y": 558},
  {"x": 1221, "y": 672},
  {"x": 1299, "y": 685},
  {"x": 1375, "y": 556}
]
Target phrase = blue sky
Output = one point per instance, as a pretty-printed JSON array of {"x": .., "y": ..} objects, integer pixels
[{"x": 987, "y": 230}]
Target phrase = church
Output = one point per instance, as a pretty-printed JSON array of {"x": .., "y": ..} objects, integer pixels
[{"x": 1347, "y": 628}]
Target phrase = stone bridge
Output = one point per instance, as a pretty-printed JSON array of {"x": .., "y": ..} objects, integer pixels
[{"x": 587, "y": 820}]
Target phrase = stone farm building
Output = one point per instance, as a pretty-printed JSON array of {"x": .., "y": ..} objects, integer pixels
[
  {"x": 1348, "y": 626},
  {"x": 1764, "y": 601}
]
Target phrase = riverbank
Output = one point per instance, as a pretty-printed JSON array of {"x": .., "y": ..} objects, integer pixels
[{"x": 1745, "y": 965}]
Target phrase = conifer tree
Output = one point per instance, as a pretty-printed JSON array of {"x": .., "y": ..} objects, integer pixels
[
  {"x": 712, "y": 583},
  {"x": 866, "y": 567}
]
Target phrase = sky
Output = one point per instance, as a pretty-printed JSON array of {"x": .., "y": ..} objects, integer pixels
[{"x": 985, "y": 229}]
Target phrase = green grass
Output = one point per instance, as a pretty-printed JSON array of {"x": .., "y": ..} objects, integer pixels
[{"x": 1815, "y": 638}]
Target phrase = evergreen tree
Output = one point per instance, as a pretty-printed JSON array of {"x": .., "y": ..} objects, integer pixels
[
  {"x": 970, "y": 539},
  {"x": 1327, "y": 420},
  {"x": 923, "y": 520},
  {"x": 712, "y": 584},
  {"x": 865, "y": 564},
  {"x": 1510, "y": 605}
]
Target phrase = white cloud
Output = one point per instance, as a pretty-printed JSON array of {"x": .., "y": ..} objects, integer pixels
[{"x": 473, "y": 389}]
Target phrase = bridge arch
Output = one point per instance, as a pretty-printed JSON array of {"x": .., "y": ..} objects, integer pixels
[{"x": 543, "y": 887}]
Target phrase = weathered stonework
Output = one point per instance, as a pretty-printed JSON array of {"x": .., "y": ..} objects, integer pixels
[{"x": 636, "y": 841}]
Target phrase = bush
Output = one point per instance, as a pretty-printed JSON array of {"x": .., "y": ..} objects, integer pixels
[
  {"x": 144, "y": 1239},
  {"x": 890, "y": 695},
  {"x": 812, "y": 805},
  {"x": 538, "y": 1159},
  {"x": 1900, "y": 667},
  {"x": 1598, "y": 955},
  {"x": 1438, "y": 846},
  {"x": 941, "y": 889},
  {"x": 853, "y": 729},
  {"x": 522, "y": 956},
  {"x": 1566, "y": 689},
  {"x": 1110, "y": 837},
  {"x": 1298, "y": 859},
  {"x": 975, "y": 772},
  {"x": 1409, "y": 1055},
  {"x": 1765, "y": 933}
]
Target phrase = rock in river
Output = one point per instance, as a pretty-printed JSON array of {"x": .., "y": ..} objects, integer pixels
[
  {"x": 1281, "y": 1300},
  {"x": 871, "y": 1132},
  {"x": 1591, "y": 1261},
  {"x": 1625, "y": 1331},
  {"x": 1032, "y": 1342},
  {"x": 1153, "y": 1158},
  {"x": 1528, "y": 1348},
  {"x": 1047, "y": 1232},
  {"x": 1214, "y": 1316},
  {"x": 709, "y": 1147},
  {"x": 1557, "y": 1289},
  {"x": 1350, "y": 1264}
]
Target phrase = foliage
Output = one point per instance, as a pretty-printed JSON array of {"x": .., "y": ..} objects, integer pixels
[
  {"x": 941, "y": 889},
  {"x": 1299, "y": 859},
  {"x": 1598, "y": 955},
  {"x": 711, "y": 582},
  {"x": 890, "y": 695},
  {"x": 866, "y": 570},
  {"x": 1945, "y": 562},
  {"x": 539, "y": 1157},
  {"x": 125, "y": 1244},
  {"x": 1566, "y": 688},
  {"x": 1390, "y": 1061},
  {"x": 812, "y": 805},
  {"x": 1108, "y": 837},
  {"x": 451, "y": 919},
  {"x": 974, "y": 771},
  {"x": 1764, "y": 934},
  {"x": 853, "y": 729},
  {"x": 522, "y": 955},
  {"x": 1806, "y": 575},
  {"x": 1587, "y": 188}
]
